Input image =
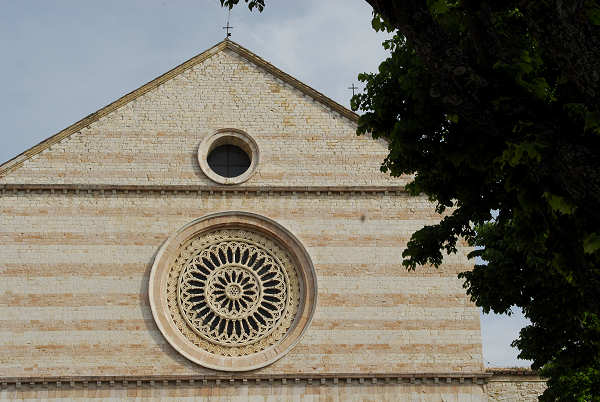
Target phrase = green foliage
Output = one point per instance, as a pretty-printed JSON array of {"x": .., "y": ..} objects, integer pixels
[
  {"x": 494, "y": 106},
  {"x": 591, "y": 243},
  {"x": 252, "y": 4}
]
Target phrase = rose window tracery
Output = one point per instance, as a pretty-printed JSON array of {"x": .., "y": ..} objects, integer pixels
[{"x": 232, "y": 291}]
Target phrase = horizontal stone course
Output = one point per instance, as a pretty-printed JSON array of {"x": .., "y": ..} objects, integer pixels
[{"x": 372, "y": 315}]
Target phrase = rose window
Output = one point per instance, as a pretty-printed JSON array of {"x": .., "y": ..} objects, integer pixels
[{"x": 232, "y": 291}]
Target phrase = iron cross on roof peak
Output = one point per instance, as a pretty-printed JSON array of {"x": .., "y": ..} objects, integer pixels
[
  {"x": 227, "y": 28},
  {"x": 353, "y": 88}
]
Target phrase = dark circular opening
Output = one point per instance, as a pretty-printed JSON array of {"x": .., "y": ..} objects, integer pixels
[{"x": 228, "y": 160}]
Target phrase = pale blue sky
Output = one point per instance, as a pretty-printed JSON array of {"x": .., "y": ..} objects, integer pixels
[{"x": 65, "y": 59}]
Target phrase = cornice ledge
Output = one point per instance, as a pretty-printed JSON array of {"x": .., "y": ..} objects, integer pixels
[
  {"x": 516, "y": 374},
  {"x": 198, "y": 189},
  {"x": 217, "y": 379}
]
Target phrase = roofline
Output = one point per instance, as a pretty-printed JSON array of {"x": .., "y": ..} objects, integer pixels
[{"x": 18, "y": 160}]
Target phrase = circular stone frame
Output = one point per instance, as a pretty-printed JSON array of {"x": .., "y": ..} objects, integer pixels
[
  {"x": 266, "y": 227},
  {"x": 228, "y": 136}
]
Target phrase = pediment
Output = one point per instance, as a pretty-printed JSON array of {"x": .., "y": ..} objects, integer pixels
[{"x": 151, "y": 135}]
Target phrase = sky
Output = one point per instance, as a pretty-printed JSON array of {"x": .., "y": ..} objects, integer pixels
[{"x": 65, "y": 59}]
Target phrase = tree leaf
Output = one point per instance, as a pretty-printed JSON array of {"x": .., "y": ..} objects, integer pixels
[
  {"x": 591, "y": 243},
  {"x": 559, "y": 204}
]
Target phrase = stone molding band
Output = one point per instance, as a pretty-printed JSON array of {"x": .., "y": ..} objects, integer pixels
[
  {"x": 200, "y": 189},
  {"x": 323, "y": 379}
]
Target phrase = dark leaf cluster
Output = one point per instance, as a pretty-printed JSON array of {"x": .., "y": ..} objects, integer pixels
[{"x": 493, "y": 106}]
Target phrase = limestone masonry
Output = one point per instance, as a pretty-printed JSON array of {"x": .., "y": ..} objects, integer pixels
[{"x": 84, "y": 214}]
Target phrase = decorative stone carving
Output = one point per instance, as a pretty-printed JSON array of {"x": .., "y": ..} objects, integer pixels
[
  {"x": 232, "y": 291},
  {"x": 234, "y": 288}
]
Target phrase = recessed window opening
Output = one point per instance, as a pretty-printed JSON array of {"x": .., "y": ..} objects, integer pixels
[
  {"x": 228, "y": 156},
  {"x": 228, "y": 160}
]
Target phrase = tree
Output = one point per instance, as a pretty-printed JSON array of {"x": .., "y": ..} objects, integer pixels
[{"x": 493, "y": 106}]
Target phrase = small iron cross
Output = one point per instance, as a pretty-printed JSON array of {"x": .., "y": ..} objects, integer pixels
[
  {"x": 353, "y": 88},
  {"x": 227, "y": 28}
]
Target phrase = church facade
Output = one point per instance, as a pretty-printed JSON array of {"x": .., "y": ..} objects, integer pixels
[{"x": 222, "y": 233}]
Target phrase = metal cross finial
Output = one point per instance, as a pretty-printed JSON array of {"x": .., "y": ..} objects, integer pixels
[
  {"x": 353, "y": 88},
  {"x": 228, "y": 27}
]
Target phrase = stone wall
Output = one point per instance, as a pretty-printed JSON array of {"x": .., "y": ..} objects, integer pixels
[
  {"x": 514, "y": 385},
  {"x": 75, "y": 260},
  {"x": 74, "y": 275}
]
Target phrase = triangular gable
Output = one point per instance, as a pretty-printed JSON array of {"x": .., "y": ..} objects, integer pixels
[{"x": 17, "y": 161}]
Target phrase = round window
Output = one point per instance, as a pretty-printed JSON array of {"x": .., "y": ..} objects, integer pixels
[
  {"x": 228, "y": 160},
  {"x": 229, "y": 156},
  {"x": 233, "y": 291}
]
